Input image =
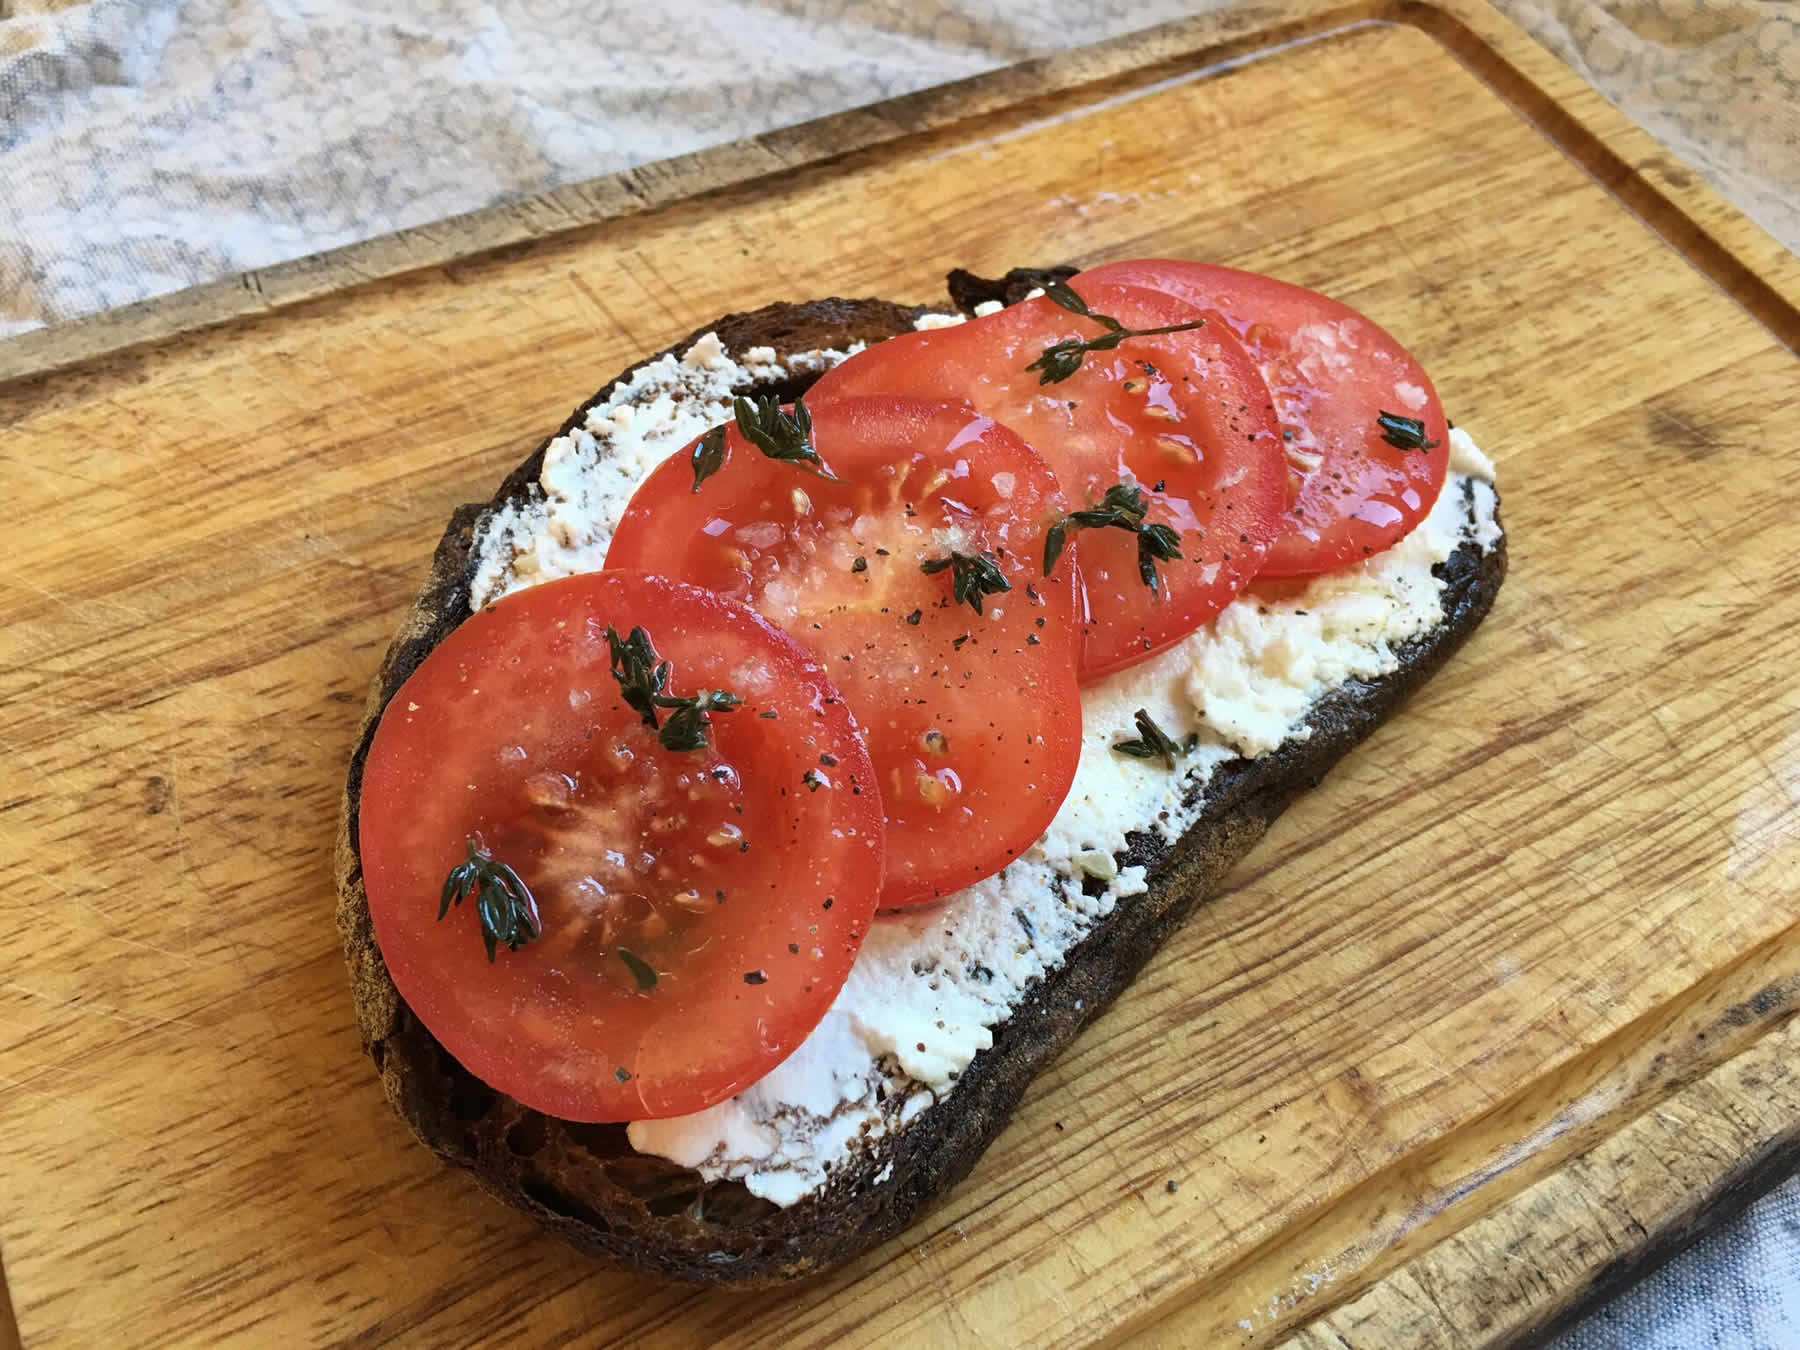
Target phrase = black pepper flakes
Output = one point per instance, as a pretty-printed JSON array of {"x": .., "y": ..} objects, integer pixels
[
  {"x": 756, "y": 977},
  {"x": 860, "y": 565},
  {"x": 915, "y": 616}
]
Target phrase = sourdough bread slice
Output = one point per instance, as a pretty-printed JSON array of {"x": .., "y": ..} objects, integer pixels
[{"x": 648, "y": 1214}]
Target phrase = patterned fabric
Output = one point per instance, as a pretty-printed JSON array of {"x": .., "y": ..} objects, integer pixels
[
  {"x": 1738, "y": 1288},
  {"x": 1717, "y": 81},
  {"x": 147, "y": 145}
]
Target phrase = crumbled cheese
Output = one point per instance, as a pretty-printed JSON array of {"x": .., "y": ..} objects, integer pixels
[
  {"x": 931, "y": 983},
  {"x": 925, "y": 323},
  {"x": 1254, "y": 671},
  {"x": 565, "y": 524}
]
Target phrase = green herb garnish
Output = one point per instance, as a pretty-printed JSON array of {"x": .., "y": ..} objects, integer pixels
[
  {"x": 1063, "y": 359},
  {"x": 1403, "y": 433},
  {"x": 1123, "y": 507},
  {"x": 1151, "y": 742},
  {"x": 972, "y": 576},
  {"x": 708, "y": 455},
  {"x": 502, "y": 899},
  {"x": 640, "y": 969},
  {"x": 780, "y": 435},
  {"x": 643, "y": 684}
]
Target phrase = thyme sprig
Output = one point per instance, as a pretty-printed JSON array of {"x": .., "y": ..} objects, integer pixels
[
  {"x": 1062, "y": 359},
  {"x": 643, "y": 684},
  {"x": 1403, "y": 433},
  {"x": 972, "y": 576},
  {"x": 786, "y": 436},
  {"x": 1151, "y": 742},
  {"x": 1123, "y": 507},
  {"x": 503, "y": 901}
]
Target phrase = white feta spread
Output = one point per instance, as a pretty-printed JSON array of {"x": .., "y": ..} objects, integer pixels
[{"x": 931, "y": 983}]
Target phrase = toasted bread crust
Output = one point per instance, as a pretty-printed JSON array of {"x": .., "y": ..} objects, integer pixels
[{"x": 647, "y": 1214}]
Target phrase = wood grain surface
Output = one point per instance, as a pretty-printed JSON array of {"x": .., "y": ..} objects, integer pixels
[{"x": 1495, "y": 1014}]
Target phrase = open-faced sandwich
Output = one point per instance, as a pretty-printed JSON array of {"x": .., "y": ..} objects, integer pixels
[{"x": 840, "y": 708}]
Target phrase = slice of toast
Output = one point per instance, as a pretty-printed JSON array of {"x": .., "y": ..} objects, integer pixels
[{"x": 648, "y": 1214}]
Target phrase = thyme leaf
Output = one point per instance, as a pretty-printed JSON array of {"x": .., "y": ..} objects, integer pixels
[
  {"x": 972, "y": 576},
  {"x": 686, "y": 728},
  {"x": 1403, "y": 433},
  {"x": 708, "y": 455},
  {"x": 643, "y": 684},
  {"x": 1151, "y": 742},
  {"x": 1123, "y": 507},
  {"x": 641, "y": 970},
  {"x": 1062, "y": 359},
  {"x": 642, "y": 678},
  {"x": 786, "y": 436},
  {"x": 503, "y": 901}
]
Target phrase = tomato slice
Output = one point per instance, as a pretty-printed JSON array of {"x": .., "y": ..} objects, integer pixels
[
  {"x": 1333, "y": 373},
  {"x": 1184, "y": 416},
  {"x": 973, "y": 719},
  {"x": 700, "y": 909}
]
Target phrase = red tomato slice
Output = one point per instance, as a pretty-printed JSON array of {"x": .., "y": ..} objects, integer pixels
[
  {"x": 1183, "y": 415},
  {"x": 700, "y": 909},
  {"x": 973, "y": 720},
  {"x": 1332, "y": 372}
]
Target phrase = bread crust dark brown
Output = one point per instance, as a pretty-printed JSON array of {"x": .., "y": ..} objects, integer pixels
[{"x": 647, "y": 1214}]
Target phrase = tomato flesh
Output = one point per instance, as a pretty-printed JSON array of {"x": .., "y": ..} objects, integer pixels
[
  {"x": 1332, "y": 373},
  {"x": 1183, "y": 415},
  {"x": 700, "y": 909},
  {"x": 973, "y": 720}
]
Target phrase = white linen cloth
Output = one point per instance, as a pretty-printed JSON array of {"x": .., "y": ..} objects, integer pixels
[{"x": 147, "y": 145}]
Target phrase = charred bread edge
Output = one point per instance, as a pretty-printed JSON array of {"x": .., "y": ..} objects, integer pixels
[{"x": 647, "y": 1214}]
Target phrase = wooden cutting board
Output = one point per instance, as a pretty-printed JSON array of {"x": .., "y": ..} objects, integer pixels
[{"x": 1497, "y": 1016}]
